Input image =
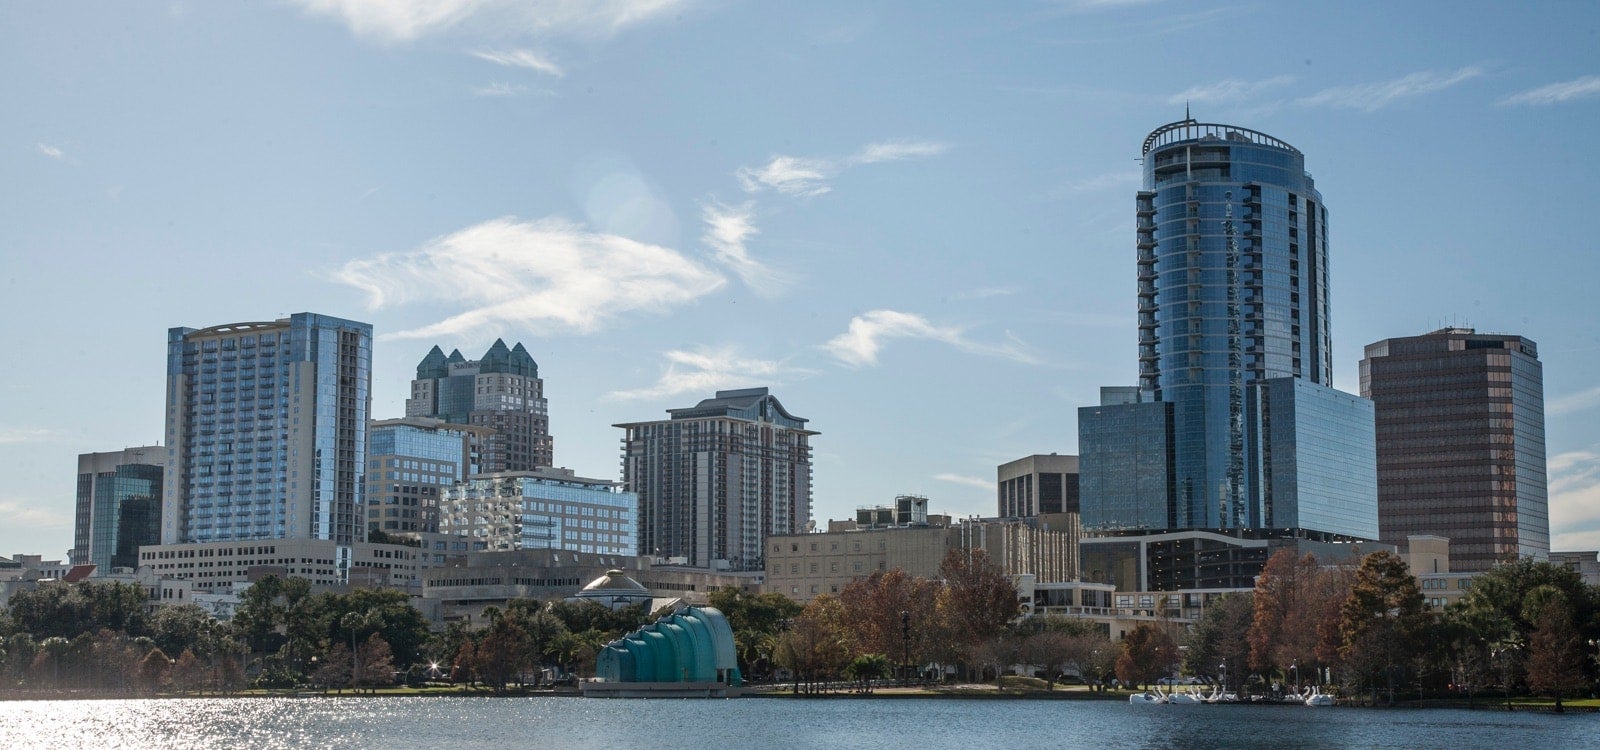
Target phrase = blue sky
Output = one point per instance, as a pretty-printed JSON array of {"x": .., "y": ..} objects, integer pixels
[{"x": 914, "y": 221}]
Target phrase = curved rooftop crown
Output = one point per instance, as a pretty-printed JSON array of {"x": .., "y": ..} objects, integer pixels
[
  {"x": 1190, "y": 130},
  {"x": 748, "y": 403}
]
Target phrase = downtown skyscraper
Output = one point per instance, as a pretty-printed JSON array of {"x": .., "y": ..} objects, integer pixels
[
  {"x": 1234, "y": 425},
  {"x": 502, "y": 392},
  {"x": 266, "y": 429},
  {"x": 1461, "y": 453}
]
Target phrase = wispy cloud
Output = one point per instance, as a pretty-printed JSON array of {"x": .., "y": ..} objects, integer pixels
[
  {"x": 406, "y": 20},
  {"x": 1573, "y": 402},
  {"x": 727, "y": 229},
  {"x": 1371, "y": 97},
  {"x": 51, "y": 151},
  {"x": 545, "y": 275},
  {"x": 500, "y": 89},
  {"x": 32, "y": 514},
  {"x": 1586, "y": 87},
  {"x": 987, "y": 484},
  {"x": 20, "y": 435},
  {"x": 1574, "y": 486},
  {"x": 790, "y": 175},
  {"x": 1228, "y": 90},
  {"x": 706, "y": 370},
  {"x": 898, "y": 150},
  {"x": 520, "y": 58},
  {"x": 867, "y": 333},
  {"x": 808, "y": 176}
]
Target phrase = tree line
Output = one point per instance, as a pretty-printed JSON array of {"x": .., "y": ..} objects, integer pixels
[
  {"x": 1522, "y": 627},
  {"x": 101, "y": 637}
]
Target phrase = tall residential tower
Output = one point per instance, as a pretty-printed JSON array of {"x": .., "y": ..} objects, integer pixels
[
  {"x": 1460, "y": 426},
  {"x": 266, "y": 430},
  {"x": 716, "y": 479},
  {"x": 1229, "y": 427}
]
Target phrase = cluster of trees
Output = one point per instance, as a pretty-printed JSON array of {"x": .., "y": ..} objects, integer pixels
[
  {"x": 98, "y": 636},
  {"x": 1521, "y": 626},
  {"x": 892, "y": 624}
]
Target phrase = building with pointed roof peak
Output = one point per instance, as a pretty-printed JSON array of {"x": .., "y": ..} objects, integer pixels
[{"x": 501, "y": 391}]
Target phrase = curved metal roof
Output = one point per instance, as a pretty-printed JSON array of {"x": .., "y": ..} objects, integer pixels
[{"x": 1191, "y": 130}]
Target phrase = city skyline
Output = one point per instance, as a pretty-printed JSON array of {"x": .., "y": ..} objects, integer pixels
[{"x": 910, "y": 223}]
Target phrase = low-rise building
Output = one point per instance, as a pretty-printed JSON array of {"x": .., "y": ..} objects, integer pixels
[
  {"x": 1586, "y": 564},
  {"x": 465, "y": 586},
  {"x": 226, "y": 567},
  {"x": 803, "y": 566}
]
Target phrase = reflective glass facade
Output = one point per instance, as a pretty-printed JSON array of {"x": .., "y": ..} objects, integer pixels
[
  {"x": 119, "y": 506},
  {"x": 1317, "y": 458},
  {"x": 1460, "y": 442},
  {"x": 1232, "y": 274},
  {"x": 266, "y": 430},
  {"x": 1125, "y": 468},
  {"x": 409, "y": 463},
  {"x": 1233, "y": 426},
  {"x": 542, "y": 510}
]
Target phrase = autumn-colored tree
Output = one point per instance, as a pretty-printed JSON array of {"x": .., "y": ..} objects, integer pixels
[
  {"x": 890, "y": 613},
  {"x": 503, "y": 654},
  {"x": 188, "y": 673},
  {"x": 464, "y": 667},
  {"x": 1284, "y": 626},
  {"x": 1382, "y": 620},
  {"x": 814, "y": 647},
  {"x": 333, "y": 671},
  {"x": 1149, "y": 653},
  {"x": 1052, "y": 651},
  {"x": 1555, "y": 652},
  {"x": 376, "y": 662},
  {"x": 977, "y": 601}
]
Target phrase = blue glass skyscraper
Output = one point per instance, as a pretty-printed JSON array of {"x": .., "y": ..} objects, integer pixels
[
  {"x": 1235, "y": 367},
  {"x": 266, "y": 430}
]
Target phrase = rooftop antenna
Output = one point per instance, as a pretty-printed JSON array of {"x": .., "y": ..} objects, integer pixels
[{"x": 1186, "y": 110}]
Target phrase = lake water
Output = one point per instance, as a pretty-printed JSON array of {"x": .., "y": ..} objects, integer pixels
[{"x": 835, "y": 724}]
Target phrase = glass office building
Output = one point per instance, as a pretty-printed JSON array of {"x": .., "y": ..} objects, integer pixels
[
  {"x": 118, "y": 506},
  {"x": 410, "y": 462},
  {"x": 1234, "y": 425},
  {"x": 1461, "y": 451},
  {"x": 266, "y": 430},
  {"x": 545, "y": 509}
]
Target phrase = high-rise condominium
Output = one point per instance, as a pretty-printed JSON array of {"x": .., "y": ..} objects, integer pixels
[
  {"x": 502, "y": 391},
  {"x": 119, "y": 506},
  {"x": 717, "y": 478},
  {"x": 1234, "y": 424},
  {"x": 266, "y": 430},
  {"x": 1460, "y": 426}
]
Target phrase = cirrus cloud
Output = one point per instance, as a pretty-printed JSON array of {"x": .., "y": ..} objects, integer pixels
[
  {"x": 727, "y": 229},
  {"x": 1371, "y": 97},
  {"x": 407, "y": 20},
  {"x": 867, "y": 334},
  {"x": 1561, "y": 92},
  {"x": 549, "y": 275},
  {"x": 808, "y": 176}
]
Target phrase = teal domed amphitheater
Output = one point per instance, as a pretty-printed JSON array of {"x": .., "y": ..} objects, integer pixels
[{"x": 692, "y": 645}]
